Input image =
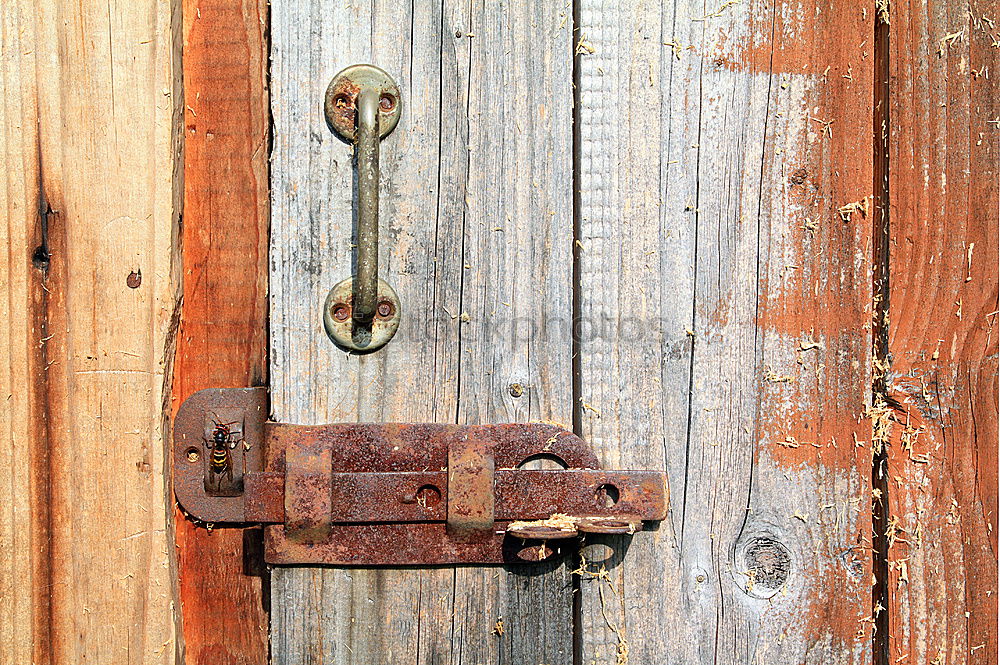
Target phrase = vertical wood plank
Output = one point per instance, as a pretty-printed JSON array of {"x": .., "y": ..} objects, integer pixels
[
  {"x": 24, "y": 628},
  {"x": 223, "y": 328},
  {"x": 941, "y": 414},
  {"x": 476, "y": 194},
  {"x": 730, "y": 309},
  {"x": 91, "y": 118},
  {"x": 354, "y": 616},
  {"x": 515, "y": 295}
]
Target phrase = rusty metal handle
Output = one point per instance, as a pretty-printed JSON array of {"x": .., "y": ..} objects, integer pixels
[
  {"x": 362, "y": 105},
  {"x": 367, "y": 143}
]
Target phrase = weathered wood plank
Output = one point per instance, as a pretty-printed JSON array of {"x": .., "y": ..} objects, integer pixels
[
  {"x": 942, "y": 454},
  {"x": 516, "y": 294},
  {"x": 351, "y": 616},
  {"x": 474, "y": 153},
  {"x": 223, "y": 328},
  {"x": 24, "y": 627},
  {"x": 731, "y": 305},
  {"x": 90, "y": 119}
]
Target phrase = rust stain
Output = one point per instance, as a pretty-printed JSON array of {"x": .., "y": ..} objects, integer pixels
[{"x": 342, "y": 104}]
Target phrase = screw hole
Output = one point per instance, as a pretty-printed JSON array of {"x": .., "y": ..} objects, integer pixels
[
  {"x": 193, "y": 455},
  {"x": 342, "y": 101},
  {"x": 607, "y": 495}
]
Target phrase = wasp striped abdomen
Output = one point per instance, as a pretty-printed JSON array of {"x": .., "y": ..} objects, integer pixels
[{"x": 222, "y": 444}]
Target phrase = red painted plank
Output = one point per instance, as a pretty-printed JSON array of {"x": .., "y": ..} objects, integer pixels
[
  {"x": 943, "y": 217},
  {"x": 223, "y": 337}
]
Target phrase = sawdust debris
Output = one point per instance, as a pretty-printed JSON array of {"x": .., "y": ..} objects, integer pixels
[
  {"x": 944, "y": 44},
  {"x": 846, "y": 211},
  {"x": 603, "y": 578}
]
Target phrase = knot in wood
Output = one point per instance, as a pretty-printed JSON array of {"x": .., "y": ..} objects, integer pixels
[
  {"x": 767, "y": 563},
  {"x": 799, "y": 176}
]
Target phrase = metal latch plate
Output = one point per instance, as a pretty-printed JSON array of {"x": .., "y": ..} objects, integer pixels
[{"x": 405, "y": 494}]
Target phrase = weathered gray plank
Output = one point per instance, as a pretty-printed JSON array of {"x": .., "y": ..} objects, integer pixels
[
  {"x": 484, "y": 143},
  {"x": 349, "y": 616},
  {"x": 714, "y": 254},
  {"x": 517, "y": 293}
]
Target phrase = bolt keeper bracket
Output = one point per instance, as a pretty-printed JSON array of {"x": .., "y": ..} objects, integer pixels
[{"x": 398, "y": 494}]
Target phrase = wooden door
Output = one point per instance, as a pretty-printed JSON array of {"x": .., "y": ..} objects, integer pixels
[
  {"x": 664, "y": 225},
  {"x": 621, "y": 217},
  {"x": 477, "y": 240}
]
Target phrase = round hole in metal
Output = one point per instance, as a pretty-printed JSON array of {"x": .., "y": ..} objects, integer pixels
[{"x": 607, "y": 495}]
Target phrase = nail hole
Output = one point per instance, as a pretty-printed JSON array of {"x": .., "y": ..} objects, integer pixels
[
  {"x": 40, "y": 257},
  {"x": 192, "y": 455},
  {"x": 607, "y": 495}
]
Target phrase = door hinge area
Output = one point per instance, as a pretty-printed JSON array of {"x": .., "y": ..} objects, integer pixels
[{"x": 363, "y": 494}]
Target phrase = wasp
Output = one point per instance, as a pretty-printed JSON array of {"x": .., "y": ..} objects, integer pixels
[{"x": 222, "y": 444}]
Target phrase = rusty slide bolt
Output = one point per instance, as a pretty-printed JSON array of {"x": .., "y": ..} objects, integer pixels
[{"x": 391, "y": 494}]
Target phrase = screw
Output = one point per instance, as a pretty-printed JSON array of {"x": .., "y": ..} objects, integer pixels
[
  {"x": 387, "y": 103},
  {"x": 192, "y": 455},
  {"x": 700, "y": 578},
  {"x": 385, "y": 309},
  {"x": 341, "y": 312},
  {"x": 515, "y": 389}
]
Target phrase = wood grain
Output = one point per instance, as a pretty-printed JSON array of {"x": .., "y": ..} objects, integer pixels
[
  {"x": 223, "y": 327},
  {"x": 90, "y": 132},
  {"x": 942, "y": 488},
  {"x": 476, "y": 239},
  {"x": 730, "y": 305}
]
